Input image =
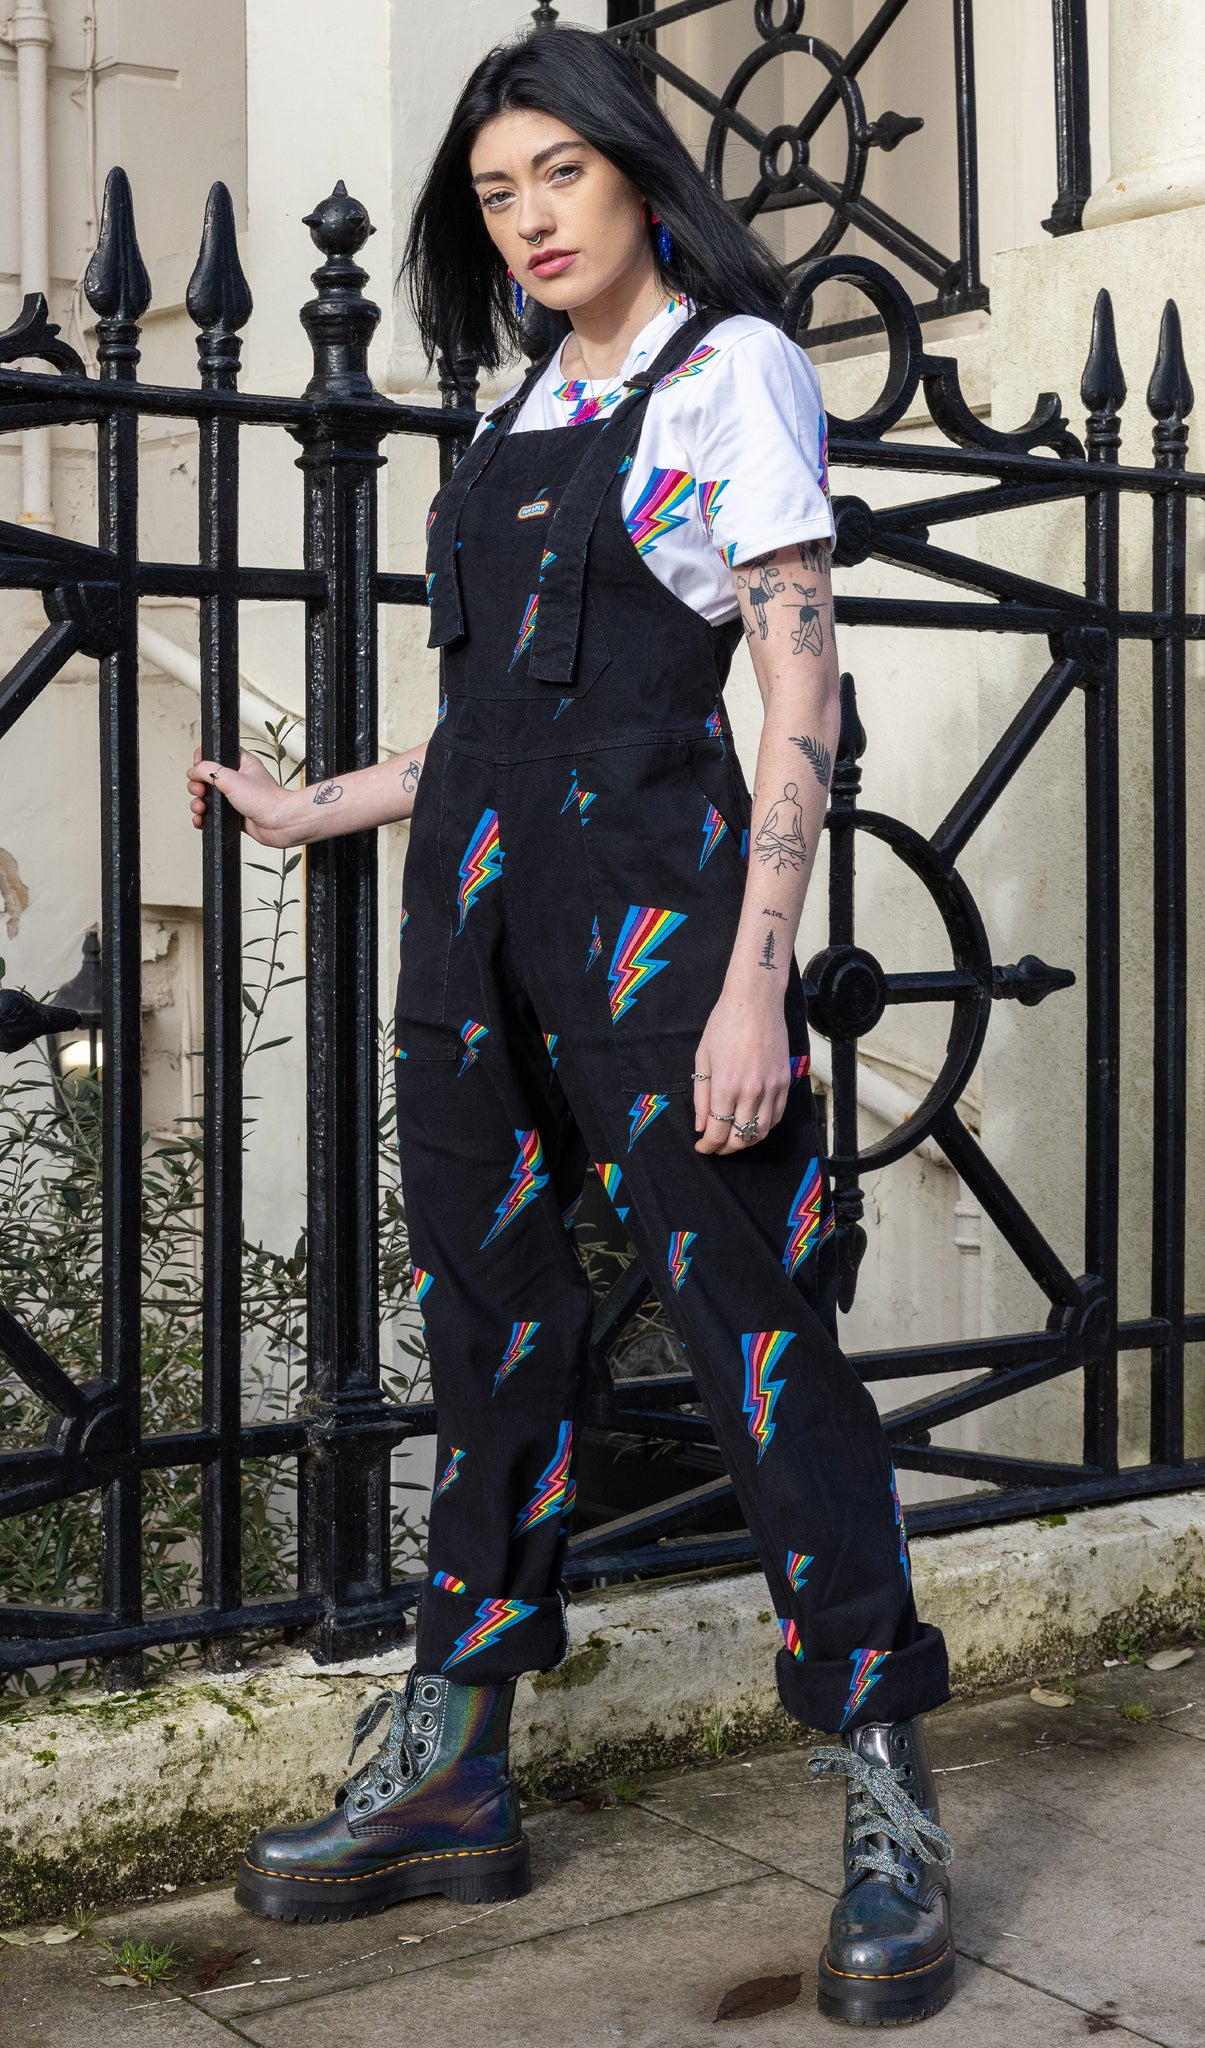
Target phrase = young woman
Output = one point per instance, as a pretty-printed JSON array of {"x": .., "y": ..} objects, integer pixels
[{"x": 597, "y": 964}]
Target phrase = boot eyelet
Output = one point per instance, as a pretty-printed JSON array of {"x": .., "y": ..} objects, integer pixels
[
  {"x": 911, "y": 1877},
  {"x": 425, "y": 1720},
  {"x": 388, "y": 1788},
  {"x": 422, "y": 1747},
  {"x": 362, "y": 1802},
  {"x": 428, "y": 1692}
]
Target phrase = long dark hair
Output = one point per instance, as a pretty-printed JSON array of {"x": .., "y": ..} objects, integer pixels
[{"x": 456, "y": 281}]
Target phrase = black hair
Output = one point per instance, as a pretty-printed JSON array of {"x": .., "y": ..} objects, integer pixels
[{"x": 456, "y": 281}]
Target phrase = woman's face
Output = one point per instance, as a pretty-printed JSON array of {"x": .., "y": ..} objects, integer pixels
[{"x": 533, "y": 175}]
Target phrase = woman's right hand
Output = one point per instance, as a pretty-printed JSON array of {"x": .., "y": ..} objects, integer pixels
[{"x": 249, "y": 787}]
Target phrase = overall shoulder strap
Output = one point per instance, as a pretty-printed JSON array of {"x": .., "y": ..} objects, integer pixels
[
  {"x": 562, "y": 581},
  {"x": 443, "y": 576}
]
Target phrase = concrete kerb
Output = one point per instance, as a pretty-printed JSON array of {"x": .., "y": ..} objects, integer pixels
[{"x": 109, "y": 1797}]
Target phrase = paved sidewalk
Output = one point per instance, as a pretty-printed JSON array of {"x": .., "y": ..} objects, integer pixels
[{"x": 1078, "y": 1890}]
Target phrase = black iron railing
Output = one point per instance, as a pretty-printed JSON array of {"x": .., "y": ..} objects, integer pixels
[
  {"x": 820, "y": 82},
  {"x": 343, "y": 1432}
]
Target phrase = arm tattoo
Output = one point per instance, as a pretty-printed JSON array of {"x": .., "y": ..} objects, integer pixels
[
  {"x": 780, "y": 835},
  {"x": 760, "y": 585},
  {"x": 819, "y": 756},
  {"x": 328, "y": 793},
  {"x": 767, "y": 954},
  {"x": 809, "y": 633},
  {"x": 774, "y": 913},
  {"x": 814, "y": 554},
  {"x": 410, "y": 774}
]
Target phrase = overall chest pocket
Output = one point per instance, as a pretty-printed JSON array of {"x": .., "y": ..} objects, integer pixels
[
  {"x": 503, "y": 547},
  {"x": 422, "y": 1030}
]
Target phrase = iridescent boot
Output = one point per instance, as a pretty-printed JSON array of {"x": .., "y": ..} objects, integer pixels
[
  {"x": 433, "y": 1811},
  {"x": 890, "y": 1952}
]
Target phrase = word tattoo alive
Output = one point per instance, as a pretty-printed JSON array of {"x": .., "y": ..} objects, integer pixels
[
  {"x": 780, "y": 837},
  {"x": 774, "y": 913},
  {"x": 819, "y": 756}
]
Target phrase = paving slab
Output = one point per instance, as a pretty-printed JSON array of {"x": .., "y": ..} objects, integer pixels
[{"x": 653, "y": 1980}]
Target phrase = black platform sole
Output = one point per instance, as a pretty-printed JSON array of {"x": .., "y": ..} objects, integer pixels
[
  {"x": 470, "y": 1876},
  {"x": 886, "y": 2001}
]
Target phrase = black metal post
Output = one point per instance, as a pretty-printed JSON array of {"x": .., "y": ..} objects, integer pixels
[
  {"x": 344, "y": 1474},
  {"x": 1073, "y": 149},
  {"x": 219, "y": 301},
  {"x": 1170, "y": 398},
  {"x": 119, "y": 292}
]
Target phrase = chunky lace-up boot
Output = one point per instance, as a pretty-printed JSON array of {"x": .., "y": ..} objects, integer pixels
[
  {"x": 890, "y": 1952},
  {"x": 433, "y": 1811}
]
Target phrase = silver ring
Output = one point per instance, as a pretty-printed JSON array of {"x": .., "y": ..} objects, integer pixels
[
  {"x": 719, "y": 1119},
  {"x": 700, "y": 1077},
  {"x": 747, "y": 1129}
]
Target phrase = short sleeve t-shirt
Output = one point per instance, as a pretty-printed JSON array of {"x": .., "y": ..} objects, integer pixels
[{"x": 732, "y": 459}]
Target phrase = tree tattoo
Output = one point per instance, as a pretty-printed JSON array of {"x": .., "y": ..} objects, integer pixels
[
  {"x": 780, "y": 837},
  {"x": 410, "y": 775},
  {"x": 819, "y": 756},
  {"x": 767, "y": 953},
  {"x": 328, "y": 793}
]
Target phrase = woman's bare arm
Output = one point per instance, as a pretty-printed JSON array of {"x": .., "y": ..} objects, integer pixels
[
  {"x": 786, "y": 607},
  {"x": 355, "y": 802}
]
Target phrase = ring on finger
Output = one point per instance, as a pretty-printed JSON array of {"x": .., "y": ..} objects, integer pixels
[
  {"x": 721, "y": 1119},
  {"x": 700, "y": 1077},
  {"x": 747, "y": 1130}
]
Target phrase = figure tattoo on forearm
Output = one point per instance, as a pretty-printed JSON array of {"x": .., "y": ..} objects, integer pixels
[
  {"x": 818, "y": 754},
  {"x": 328, "y": 793},
  {"x": 780, "y": 839}
]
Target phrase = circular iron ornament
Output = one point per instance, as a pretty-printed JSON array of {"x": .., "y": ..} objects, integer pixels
[
  {"x": 905, "y": 342},
  {"x": 800, "y": 176},
  {"x": 853, "y": 983},
  {"x": 764, "y": 22}
]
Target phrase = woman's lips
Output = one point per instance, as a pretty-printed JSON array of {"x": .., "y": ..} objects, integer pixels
[{"x": 551, "y": 266}]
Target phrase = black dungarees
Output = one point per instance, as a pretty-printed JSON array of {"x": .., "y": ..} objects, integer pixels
[{"x": 572, "y": 886}]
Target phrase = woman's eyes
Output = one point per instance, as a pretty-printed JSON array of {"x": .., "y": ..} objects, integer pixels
[{"x": 487, "y": 202}]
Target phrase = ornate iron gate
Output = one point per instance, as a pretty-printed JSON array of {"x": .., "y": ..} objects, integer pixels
[{"x": 344, "y": 1431}]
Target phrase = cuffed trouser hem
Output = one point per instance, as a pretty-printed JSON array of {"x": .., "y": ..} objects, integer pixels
[
  {"x": 868, "y": 1685},
  {"x": 484, "y": 1642}
]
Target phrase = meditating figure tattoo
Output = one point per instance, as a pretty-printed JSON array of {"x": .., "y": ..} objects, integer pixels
[{"x": 780, "y": 837}]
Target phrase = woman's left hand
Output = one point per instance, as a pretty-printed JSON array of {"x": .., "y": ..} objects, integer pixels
[{"x": 743, "y": 1052}]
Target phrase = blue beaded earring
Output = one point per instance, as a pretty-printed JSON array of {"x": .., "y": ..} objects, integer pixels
[
  {"x": 665, "y": 241},
  {"x": 518, "y": 291}
]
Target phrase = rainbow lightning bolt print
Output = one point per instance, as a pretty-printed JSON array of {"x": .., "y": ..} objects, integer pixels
[
  {"x": 690, "y": 368},
  {"x": 595, "y": 945},
  {"x": 632, "y": 962},
  {"x": 451, "y": 1472},
  {"x": 866, "y": 1673},
  {"x": 422, "y": 1283},
  {"x": 797, "y": 1564},
  {"x": 762, "y": 1350},
  {"x": 526, "y": 1180},
  {"x": 522, "y": 1339},
  {"x": 714, "y": 829},
  {"x": 482, "y": 863},
  {"x": 715, "y": 728},
  {"x": 679, "y": 1244},
  {"x": 790, "y": 1636},
  {"x": 709, "y": 501},
  {"x": 642, "y": 1112},
  {"x": 549, "y": 1496},
  {"x": 472, "y": 1035},
  {"x": 527, "y": 626},
  {"x": 804, "y": 1219},
  {"x": 447, "y": 1583},
  {"x": 493, "y": 1617},
  {"x": 801, "y": 1064},
  {"x": 550, "y": 1039},
  {"x": 610, "y": 1176},
  {"x": 663, "y": 504},
  {"x": 899, "y": 1523}
]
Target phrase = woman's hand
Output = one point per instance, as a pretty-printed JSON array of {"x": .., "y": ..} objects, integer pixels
[
  {"x": 743, "y": 1051},
  {"x": 249, "y": 787}
]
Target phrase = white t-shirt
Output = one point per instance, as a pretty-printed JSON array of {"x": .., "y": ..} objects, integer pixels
[{"x": 732, "y": 459}]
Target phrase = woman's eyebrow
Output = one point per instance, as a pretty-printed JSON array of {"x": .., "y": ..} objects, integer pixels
[{"x": 541, "y": 156}]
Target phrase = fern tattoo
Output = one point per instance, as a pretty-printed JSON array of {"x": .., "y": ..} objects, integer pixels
[{"x": 818, "y": 755}]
